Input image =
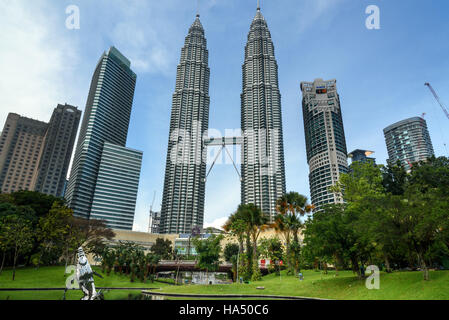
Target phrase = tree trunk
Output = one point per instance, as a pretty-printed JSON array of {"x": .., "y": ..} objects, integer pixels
[
  {"x": 3, "y": 262},
  {"x": 355, "y": 267},
  {"x": 16, "y": 253},
  {"x": 424, "y": 266},
  {"x": 387, "y": 263}
]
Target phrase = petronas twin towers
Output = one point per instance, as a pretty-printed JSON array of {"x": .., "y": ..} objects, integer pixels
[{"x": 262, "y": 169}]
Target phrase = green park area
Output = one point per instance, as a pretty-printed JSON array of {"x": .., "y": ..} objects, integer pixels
[
  {"x": 393, "y": 219},
  {"x": 54, "y": 277},
  {"x": 405, "y": 285}
]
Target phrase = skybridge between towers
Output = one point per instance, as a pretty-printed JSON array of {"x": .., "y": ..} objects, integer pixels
[{"x": 223, "y": 142}]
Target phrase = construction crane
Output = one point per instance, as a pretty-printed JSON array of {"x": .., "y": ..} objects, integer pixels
[
  {"x": 151, "y": 212},
  {"x": 437, "y": 99}
]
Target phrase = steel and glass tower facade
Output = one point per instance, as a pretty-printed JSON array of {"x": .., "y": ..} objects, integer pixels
[
  {"x": 116, "y": 189},
  {"x": 325, "y": 139},
  {"x": 185, "y": 173},
  {"x": 263, "y": 170},
  {"x": 106, "y": 119},
  {"x": 408, "y": 141}
]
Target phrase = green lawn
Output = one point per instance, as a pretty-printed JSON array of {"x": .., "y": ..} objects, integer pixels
[
  {"x": 54, "y": 277},
  {"x": 397, "y": 285},
  {"x": 394, "y": 286}
]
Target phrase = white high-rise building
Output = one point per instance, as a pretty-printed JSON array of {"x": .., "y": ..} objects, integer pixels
[{"x": 325, "y": 139}]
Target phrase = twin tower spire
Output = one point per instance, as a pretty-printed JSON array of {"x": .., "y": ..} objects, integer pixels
[{"x": 262, "y": 168}]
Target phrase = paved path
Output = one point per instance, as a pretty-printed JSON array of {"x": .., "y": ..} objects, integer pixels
[
  {"x": 59, "y": 289},
  {"x": 225, "y": 296}
]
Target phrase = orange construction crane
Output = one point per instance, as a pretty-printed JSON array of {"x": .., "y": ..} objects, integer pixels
[{"x": 437, "y": 99}]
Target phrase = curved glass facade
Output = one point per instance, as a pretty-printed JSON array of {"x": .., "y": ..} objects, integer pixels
[{"x": 106, "y": 120}]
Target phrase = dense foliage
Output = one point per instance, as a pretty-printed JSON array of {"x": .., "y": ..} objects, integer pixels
[
  {"x": 391, "y": 218},
  {"x": 38, "y": 229}
]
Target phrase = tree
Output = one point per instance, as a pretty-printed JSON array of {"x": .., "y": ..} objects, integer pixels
[
  {"x": 272, "y": 249},
  {"x": 255, "y": 221},
  {"x": 92, "y": 233},
  {"x": 152, "y": 262},
  {"x": 5, "y": 243},
  {"x": 19, "y": 235},
  {"x": 53, "y": 228},
  {"x": 162, "y": 248},
  {"x": 394, "y": 178},
  {"x": 40, "y": 203},
  {"x": 231, "y": 255},
  {"x": 108, "y": 257},
  {"x": 208, "y": 253},
  {"x": 236, "y": 226},
  {"x": 332, "y": 232},
  {"x": 426, "y": 213},
  {"x": 291, "y": 207}
]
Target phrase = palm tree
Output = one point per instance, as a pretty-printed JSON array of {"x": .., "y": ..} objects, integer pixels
[
  {"x": 256, "y": 221},
  {"x": 290, "y": 208},
  {"x": 237, "y": 227}
]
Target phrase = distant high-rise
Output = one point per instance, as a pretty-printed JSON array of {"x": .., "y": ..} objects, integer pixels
[
  {"x": 20, "y": 151},
  {"x": 263, "y": 171},
  {"x": 408, "y": 141},
  {"x": 155, "y": 222},
  {"x": 362, "y": 156},
  {"x": 51, "y": 173},
  {"x": 185, "y": 173},
  {"x": 325, "y": 139},
  {"x": 104, "y": 127}
]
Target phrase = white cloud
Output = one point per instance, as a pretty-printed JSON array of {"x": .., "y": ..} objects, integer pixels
[
  {"x": 217, "y": 223},
  {"x": 34, "y": 59},
  {"x": 146, "y": 30},
  {"x": 143, "y": 46},
  {"x": 310, "y": 11}
]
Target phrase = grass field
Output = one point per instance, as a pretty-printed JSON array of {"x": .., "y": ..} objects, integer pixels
[
  {"x": 54, "y": 277},
  {"x": 394, "y": 286}
]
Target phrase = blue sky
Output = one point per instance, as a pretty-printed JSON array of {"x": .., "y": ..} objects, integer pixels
[{"x": 380, "y": 73}]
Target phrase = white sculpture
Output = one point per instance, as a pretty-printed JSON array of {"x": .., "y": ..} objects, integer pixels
[{"x": 84, "y": 276}]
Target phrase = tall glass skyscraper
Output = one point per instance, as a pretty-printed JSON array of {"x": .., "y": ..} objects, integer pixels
[
  {"x": 116, "y": 188},
  {"x": 263, "y": 170},
  {"x": 106, "y": 120},
  {"x": 185, "y": 173},
  {"x": 408, "y": 141},
  {"x": 325, "y": 139}
]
